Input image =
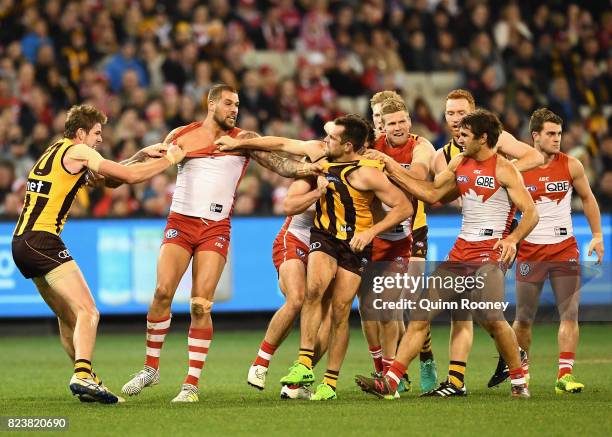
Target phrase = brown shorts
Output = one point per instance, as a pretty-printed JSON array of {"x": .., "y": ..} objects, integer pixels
[
  {"x": 36, "y": 253},
  {"x": 419, "y": 242},
  {"x": 340, "y": 250}
]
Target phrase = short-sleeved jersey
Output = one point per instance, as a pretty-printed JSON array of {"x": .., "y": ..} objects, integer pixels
[
  {"x": 551, "y": 189},
  {"x": 50, "y": 191},
  {"x": 403, "y": 155},
  {"x": 344, "y": 210}
]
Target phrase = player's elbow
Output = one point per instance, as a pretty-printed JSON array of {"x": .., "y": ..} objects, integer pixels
[
  {"x": 289, "y": 208},
  {"x": 531, "y": 213}
]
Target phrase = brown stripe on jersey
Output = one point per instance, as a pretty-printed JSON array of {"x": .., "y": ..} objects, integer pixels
[
  {"x": 23, "y": 213},
  {"x": 51, "y": 152},
  {"x": 68, "y": 201},
  {"x": 350, "y": 215},
  {"x": 318, "y": 214},
  {"x": 447, "y": 152},
  {"x": 40, "y": 204},
  {"x": 331, "y": 210}
]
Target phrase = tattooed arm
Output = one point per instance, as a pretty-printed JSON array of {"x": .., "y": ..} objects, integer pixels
[{"x": 287, "y": 167}]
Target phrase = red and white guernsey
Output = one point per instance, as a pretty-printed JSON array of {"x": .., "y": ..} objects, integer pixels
[
  {"x": 207, "y": 180},
  {"x": 486, "y": 206},
  {"x": 551, "y": 189},
  {"x": 299, "y": 225},
  {"x": 403, "y": 155}
]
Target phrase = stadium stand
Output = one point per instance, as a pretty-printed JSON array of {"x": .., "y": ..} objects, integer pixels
[{"x": 297, "y": 64}]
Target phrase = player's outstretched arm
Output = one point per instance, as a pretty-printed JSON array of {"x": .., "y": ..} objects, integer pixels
[
  {"x": 287, "y": 167},
  {"x": 302, "y": 196},
  {"x": 312, "y": 149},
  {"x": 153, "y": 151},
  {"x": 589, "y": 205},
  {"x": 130, "y": 174},
  {"x": 369, "y": 178},
  {"x": 431, "y": 192},
  {"x": 510, "y": 178},
  {"x": 527, "y": 157},
  {"x": 439, "y": 165},
  {"x": 421, "y": 159}
]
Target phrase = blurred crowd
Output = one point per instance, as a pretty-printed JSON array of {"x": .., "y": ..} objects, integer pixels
[{"x": 147, "y": 64}]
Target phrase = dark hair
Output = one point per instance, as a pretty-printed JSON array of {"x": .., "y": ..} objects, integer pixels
[
  {"x": 541, "y": 116},
  {"x": 482, "y": 122},
  {"x": 356, "y": 130},
  {"x": 82, "y": 117},
  {"x": 214, "y": 94},
  {"x": 371, "y": 137}
]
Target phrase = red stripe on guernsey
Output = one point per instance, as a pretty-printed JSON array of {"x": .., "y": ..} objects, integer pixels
[
  {"x": 478, "y": 176},
  {"x": 402, "y": 154},
  {"x": 553, "y": 181},
  {"x": 211, "y": 150},
  {"x": 244, "y": 169}
]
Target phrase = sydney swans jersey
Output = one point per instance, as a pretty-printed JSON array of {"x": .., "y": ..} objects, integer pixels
[
  {"x": 486, "y": 206},
  {"x": 344, "y": 211},
  {"x": 551, "y": 190},
  {"x": 403, "y": 155},
  {"x": 300, "y": 224},
  {"x": 50, "y": 191},
  {"x": 207, "y": 180}
]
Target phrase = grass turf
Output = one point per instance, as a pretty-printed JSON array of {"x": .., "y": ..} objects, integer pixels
[{"x": 34, "y": 374}]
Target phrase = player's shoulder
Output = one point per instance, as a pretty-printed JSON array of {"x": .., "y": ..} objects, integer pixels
[{"x": 456, "y": 161}]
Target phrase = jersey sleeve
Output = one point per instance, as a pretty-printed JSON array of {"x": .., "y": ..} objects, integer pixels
[{"x": 83, "y": 152}]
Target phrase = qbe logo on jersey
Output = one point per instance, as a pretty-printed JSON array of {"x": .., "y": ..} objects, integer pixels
[
  {"x": 557, "y": 187},
  {"x": 485, "y": 182}
]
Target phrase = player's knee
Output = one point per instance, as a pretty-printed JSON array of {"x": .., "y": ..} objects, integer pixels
[
  {"x": 569, "y": 315},
  {"x": 89, "y": 315},
  {"x": 494, "y": 327},
  {"x": 163, "y": 295},
  {"x": 522, "y": 325},
  {"x": 200, "y": 307},
  {"x": 340, "y": 312},
  {"x": 418, "y": 325},
  {"x": 295, "y": 303},
  {"x": 313, "y": 293}
]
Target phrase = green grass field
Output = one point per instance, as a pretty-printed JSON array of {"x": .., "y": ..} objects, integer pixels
[{"x": 34, "y": 374}]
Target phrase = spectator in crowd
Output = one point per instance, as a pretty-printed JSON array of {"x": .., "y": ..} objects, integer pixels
[{"x": 148, "y": 64}]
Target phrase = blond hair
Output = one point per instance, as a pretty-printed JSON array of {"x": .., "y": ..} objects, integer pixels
[
  {"x": 381, "y": 96},
  {"x": 391, "y": 106}
]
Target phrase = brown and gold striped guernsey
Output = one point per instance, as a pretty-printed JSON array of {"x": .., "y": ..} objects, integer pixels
[
  {"x": 451, "y": 149},
  {"x": 50, "y": 191},
  {"x": 344, "y": 210}
]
